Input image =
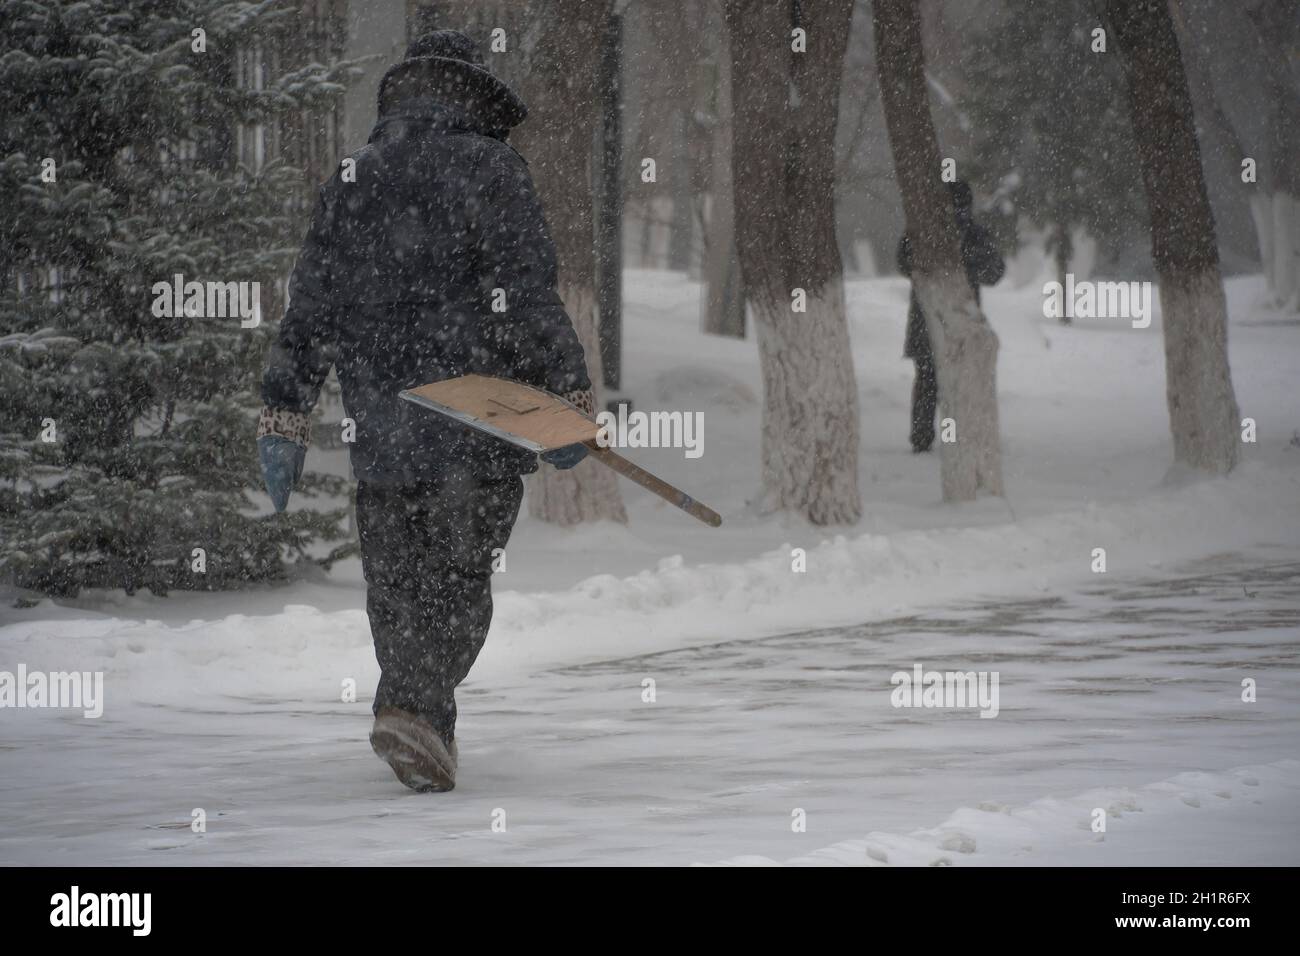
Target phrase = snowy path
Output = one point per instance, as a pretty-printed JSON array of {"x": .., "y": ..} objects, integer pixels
[{"x": 1109, "y": 690}]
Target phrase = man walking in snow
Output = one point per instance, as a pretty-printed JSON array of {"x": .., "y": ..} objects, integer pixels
[
  {"x": 413, "y": 241},
  {"x": 984, "y": 266}
]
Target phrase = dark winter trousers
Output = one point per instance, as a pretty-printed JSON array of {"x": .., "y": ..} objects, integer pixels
[
  {"x": 925, "y": 401},
  {"x": 426, "y": 551}
]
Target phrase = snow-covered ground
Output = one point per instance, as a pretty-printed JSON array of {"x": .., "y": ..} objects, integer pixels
[
  {"x": 1101, "y": 695},
  {"x": 1119, "y": 690}
]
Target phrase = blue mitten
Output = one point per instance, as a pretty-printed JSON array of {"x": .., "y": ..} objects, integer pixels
[
  {"x": 566, "y": 457},
  {"x": 282, "y": 461}
]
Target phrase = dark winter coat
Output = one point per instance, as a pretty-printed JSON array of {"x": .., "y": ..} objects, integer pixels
[
  {"x": 984, "y": 266},
  {"x": 396, "y": 284}
]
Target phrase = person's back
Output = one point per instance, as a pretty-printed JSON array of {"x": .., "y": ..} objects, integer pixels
[
  {"x": 428, "y": 258},
  {"x": 398, "y": 279},
  {"x": 402, "y": 216}
]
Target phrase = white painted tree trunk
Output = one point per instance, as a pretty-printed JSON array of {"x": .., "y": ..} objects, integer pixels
[
  {"x": 783, "y": 138},
  {"x": 1203, "y": 414},
  {"x": 589, "y": 491},
  {"x": 1286, "y": 250},
  {"x": 966, "y": 358},
  {"x": 810, "y": 409}
]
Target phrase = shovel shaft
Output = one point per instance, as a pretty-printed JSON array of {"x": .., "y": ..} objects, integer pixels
[{"x": 673, "y": 495}]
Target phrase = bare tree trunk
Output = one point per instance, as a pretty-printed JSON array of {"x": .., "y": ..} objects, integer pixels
[
  {"x": 1281, "y": 220},
  {"x": 1064, "y": 249},
  {"x": 699, "y": 129},
  {"x": 724, "y": 294},
  {"x": 563, "y": 101},
  {"x": 681, "y": 227},
  {"x": 965, "y": 347},
  {"x": 609, "y": 228},
  {"x": 1203, "y": 412},
  {"x": 786, "y": 108}
]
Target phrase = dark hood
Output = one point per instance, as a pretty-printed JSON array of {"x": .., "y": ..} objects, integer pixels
[{"x": 464, "y": 86}]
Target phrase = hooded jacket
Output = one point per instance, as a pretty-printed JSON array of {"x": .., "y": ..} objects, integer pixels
[{"x": 428, "y": 257}]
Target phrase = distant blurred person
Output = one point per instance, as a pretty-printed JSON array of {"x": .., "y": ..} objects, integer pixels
[{"x": 984, "y": 266}]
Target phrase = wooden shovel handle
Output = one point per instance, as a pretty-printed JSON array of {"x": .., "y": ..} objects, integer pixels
[{"x": 670, "y": 494}]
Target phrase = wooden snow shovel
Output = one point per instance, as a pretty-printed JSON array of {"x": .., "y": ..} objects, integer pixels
[{"x": 530, "y": 418}]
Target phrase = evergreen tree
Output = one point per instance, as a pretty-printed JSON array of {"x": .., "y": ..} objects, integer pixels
[{"x": 127, "y": 439}]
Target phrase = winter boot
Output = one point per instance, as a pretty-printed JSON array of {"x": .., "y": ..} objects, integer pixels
[{"x": 414, "y": 750}]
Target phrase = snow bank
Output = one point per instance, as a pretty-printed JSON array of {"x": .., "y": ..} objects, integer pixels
[
  {"x": 294, "y": 650},
  {"x": 1192, "y": 819},
  {"x": 852, "y": 579}
]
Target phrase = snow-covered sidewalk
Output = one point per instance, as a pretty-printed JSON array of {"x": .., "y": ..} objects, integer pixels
[{"x": 1125, "y": 696}]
